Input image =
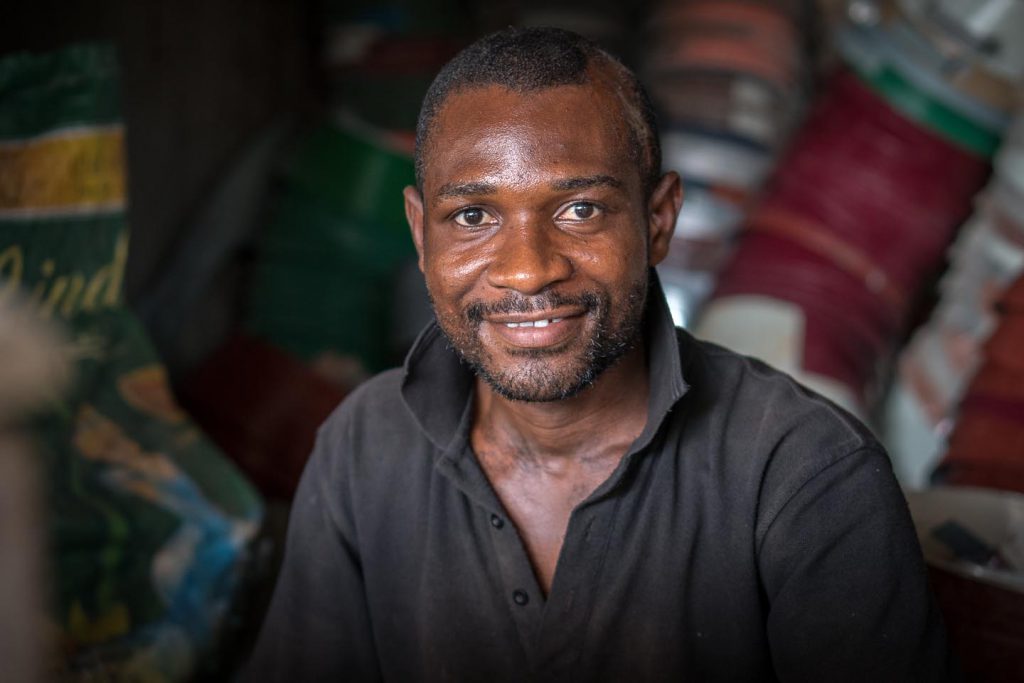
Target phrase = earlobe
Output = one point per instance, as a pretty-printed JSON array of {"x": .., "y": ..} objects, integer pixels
[
  {"x": 414, "y": 215},
  {"x": 663, "y": 209}
]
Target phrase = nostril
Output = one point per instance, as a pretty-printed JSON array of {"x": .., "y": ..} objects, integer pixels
[
  {"x": 529, "y": 270},
  {"x": 528, "y": 259}
]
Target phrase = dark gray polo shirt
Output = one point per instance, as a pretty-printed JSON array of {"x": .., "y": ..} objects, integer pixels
[{"x": 753, "y": 532}]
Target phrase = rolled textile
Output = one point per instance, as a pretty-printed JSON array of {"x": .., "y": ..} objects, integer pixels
[
  {"x": 986, "y": 447},
  {"x": 853, "y": 222},
  {"x": 944, "y": 353}
]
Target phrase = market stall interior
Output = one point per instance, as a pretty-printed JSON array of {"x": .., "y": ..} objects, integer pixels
[{"x": 203, "y": 250}]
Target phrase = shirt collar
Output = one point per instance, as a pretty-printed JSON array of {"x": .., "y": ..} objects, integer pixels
[{"x": 437, "y": 386}]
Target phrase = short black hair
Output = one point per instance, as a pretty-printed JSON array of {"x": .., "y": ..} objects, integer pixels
[{"x": 527, "y": 59}]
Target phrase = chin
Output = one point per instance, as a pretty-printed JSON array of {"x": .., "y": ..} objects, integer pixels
[
  {"x": 547, "y": 376},
  {"x": 538, "y": 384}
]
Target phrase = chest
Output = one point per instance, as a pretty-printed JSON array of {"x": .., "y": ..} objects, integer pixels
[
  {"x": 651, "y": 582},
  {"x": 539, "y": 503}
]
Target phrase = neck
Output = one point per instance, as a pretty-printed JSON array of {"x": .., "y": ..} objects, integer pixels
[{"x": 605, "y": 417}]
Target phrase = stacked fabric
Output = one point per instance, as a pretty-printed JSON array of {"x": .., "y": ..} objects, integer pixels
[
  {"x": 727, "y": 78},
  {"x": 986, "y": 447},
  {"x": 945, "y": 352},
  {"x": 856, "y": 219}
]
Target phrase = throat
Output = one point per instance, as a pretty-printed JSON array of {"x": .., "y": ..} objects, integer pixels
[{"x": 540, "y": 492}]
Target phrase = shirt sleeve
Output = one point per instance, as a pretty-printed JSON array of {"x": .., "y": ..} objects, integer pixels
[
  {"x": 846, "y": 584},
  {"x": 317, "y": 627}
]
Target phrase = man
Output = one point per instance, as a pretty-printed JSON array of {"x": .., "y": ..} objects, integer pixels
[{"x": 560, "y": 484}]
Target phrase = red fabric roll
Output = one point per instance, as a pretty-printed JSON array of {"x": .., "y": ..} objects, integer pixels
[
  {"x": 779, "y": 269},
  {"x": 857, "y": 216},
  {"x": 877, "y": 180}
]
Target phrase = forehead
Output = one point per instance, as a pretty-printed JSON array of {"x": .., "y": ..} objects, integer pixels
[{"x": 508, "y": 135}]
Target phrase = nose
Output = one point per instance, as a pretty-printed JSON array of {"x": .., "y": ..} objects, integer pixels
[{"x": 528, "y": 259}]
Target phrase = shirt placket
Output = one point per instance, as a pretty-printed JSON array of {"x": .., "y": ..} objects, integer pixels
[
  {"x": 522, "y": 592},
  {"x": 562, "y": 637},
  {"x": 517, "y": 582},
  {"x": 552, "y": 630}
]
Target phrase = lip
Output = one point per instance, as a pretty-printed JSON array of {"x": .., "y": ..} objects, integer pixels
[
  {"x": 562, "y": 326},
  {"x": 534, "y": 316}
]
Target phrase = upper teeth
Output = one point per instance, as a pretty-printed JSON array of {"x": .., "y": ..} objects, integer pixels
[{"x": 534, "y": 323}]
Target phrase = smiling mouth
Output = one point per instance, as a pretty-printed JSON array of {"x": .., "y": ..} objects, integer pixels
[
  {"x": 537, "y": 332},
  {"x": 535, "y": 323}
]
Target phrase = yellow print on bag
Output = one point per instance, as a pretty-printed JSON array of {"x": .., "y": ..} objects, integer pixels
[{"x": 66, "y": 171}]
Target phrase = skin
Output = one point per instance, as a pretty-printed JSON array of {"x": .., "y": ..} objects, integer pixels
[{"x": 532, "y": 200}]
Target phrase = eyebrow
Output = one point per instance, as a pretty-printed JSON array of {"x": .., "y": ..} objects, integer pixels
[
  {"x": 586, "y": 182},
  {"x": 465, "y": 189},
  {"x": 564, "y": 185}
]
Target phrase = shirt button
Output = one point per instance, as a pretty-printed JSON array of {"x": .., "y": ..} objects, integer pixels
[
  {"x": 497, "y": 522},
  {"x": 520, "y": 597}
]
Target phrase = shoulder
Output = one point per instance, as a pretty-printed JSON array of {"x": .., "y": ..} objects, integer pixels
[
  {"x": 371, "y": 428},
  {"x": 371, "y": 406},
  {"x": 779, "y": 432},
  {"x": 764, "y": 400}
]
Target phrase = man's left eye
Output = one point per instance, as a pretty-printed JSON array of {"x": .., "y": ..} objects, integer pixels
[{"x": 579, "y": 211}]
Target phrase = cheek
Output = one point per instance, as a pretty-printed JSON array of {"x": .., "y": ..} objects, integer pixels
[
  {"x": 451, "y": 273},
  {"x": 616, "y": 262}
]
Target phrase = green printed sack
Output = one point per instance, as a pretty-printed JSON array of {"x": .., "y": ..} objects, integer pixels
[{"x": 149, "y": 522}]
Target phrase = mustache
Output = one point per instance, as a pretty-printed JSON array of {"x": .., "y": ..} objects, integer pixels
[{"x": 514, "y": 302}]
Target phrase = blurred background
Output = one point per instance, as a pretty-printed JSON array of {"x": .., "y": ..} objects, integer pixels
[{"x": 203, "y": 250}]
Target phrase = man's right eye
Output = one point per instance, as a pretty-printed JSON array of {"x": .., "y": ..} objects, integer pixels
[{"x": 473, "y": 217}]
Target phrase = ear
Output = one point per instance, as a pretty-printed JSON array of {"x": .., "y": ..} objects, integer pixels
[
  {"x": 662, "y": 210},
  {"x": 414, "y": 214}
]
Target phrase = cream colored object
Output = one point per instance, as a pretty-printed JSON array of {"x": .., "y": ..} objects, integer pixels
[
  {"x": 772, "y": 331},
  {"x": 31, "y": 370},
  {"x": 994, "y": 517}
]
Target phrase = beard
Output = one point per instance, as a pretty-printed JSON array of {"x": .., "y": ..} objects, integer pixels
[{"x": 556, "y": 373}]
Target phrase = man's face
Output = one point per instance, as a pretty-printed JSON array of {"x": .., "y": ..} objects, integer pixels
[{"x": 535, "y": 236}]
